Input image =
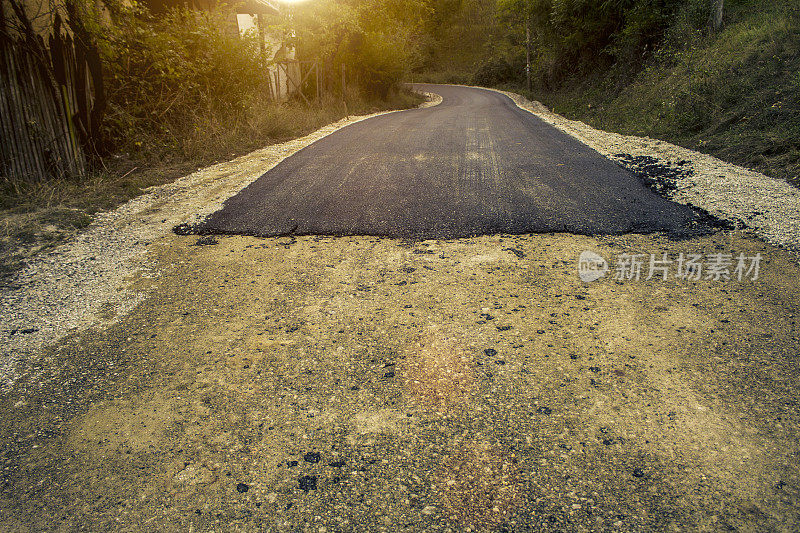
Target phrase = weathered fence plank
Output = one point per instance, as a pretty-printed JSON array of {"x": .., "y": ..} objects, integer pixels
[{"x": 39, "y": 138}]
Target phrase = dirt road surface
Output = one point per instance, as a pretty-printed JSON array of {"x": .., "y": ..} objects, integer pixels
[{"x": 373, "y": 384}]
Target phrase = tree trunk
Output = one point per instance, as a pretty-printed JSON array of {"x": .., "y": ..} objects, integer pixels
[
  {"x": 528, "y": 51},
  {"x": 715, "y": 20}
]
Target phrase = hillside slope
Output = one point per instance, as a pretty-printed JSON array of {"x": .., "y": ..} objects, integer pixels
[{"x": 735, "y": 95}]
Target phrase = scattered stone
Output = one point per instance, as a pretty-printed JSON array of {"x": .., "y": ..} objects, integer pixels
[
  {"x": 504, "y": 328},
  {"x": 242, "y": 487},
  {"x": 311, "y": 457},
  {"x": 182, "y": 229},
  {"x": 543, "y": 410},
  {"x": 519, "y": 253},
  {"x": 637, "y": 472},
  {"x": 388, "y": 375},
  {"x": 308, "y": 483},
  {"x": 337, "y": 464},
  {"x": 428, "y": 510},
  {"x": 652, "y": 172},
  {"x": 594, "y": 368},
  {"x": 194, "y": 474},
  {"x": 500, "y": 362},
  {"x": 206, "y": 240},
  {"x": 291, "y": 464},
  {"x": 491, "y": 352}
]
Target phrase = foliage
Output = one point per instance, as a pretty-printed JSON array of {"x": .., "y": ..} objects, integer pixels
[
  {"x": 496, "y": 71},
  {"x": 379, "y": 41},
  {"x": 734, "y": 94},
  {"x": 461, "y": 34},
  {"x": 163, "y": 74}
]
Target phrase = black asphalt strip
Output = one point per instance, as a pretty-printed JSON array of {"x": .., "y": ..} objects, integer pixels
[{"x": 475, "y": 164}]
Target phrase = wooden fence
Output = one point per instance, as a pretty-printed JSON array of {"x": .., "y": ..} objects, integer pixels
[
  {"x": 38, "y": 135},
  {"x": 47, "y": 102},
  {"x": 293, "y": 77},
  {"x": 307, "y": 79}
]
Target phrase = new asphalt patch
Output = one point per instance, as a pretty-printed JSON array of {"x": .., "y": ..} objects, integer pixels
[{"x": 474, "y": 165}]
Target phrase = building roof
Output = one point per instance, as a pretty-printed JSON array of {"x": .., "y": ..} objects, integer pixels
[{"x": 253, "y": 7}]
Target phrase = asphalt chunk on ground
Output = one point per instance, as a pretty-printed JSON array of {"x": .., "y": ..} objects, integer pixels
[{"x": 476, "y": 164}]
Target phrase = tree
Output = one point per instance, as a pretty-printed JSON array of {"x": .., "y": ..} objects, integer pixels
[
  {"x": 715, "y": 20},
  {"x": 379, "y": 41}
]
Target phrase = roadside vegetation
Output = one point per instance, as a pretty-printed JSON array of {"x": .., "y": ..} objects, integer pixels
[
  {"x": 182, "y": 93},
  {"x": 672, "y": 70}
]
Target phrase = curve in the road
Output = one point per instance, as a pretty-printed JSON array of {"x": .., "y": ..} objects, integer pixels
[{"x": 474, "y": 164}]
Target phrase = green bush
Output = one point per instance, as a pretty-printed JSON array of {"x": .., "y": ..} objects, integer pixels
[
  {"x": 497, "y": 71},
  {"x": 382, "y": 64},
  {"x": 164, "y": 73},
  {"x": 379, "y": 42}
]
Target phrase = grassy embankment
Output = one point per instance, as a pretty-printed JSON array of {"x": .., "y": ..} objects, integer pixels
[{"x": 735, "y": 95}]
